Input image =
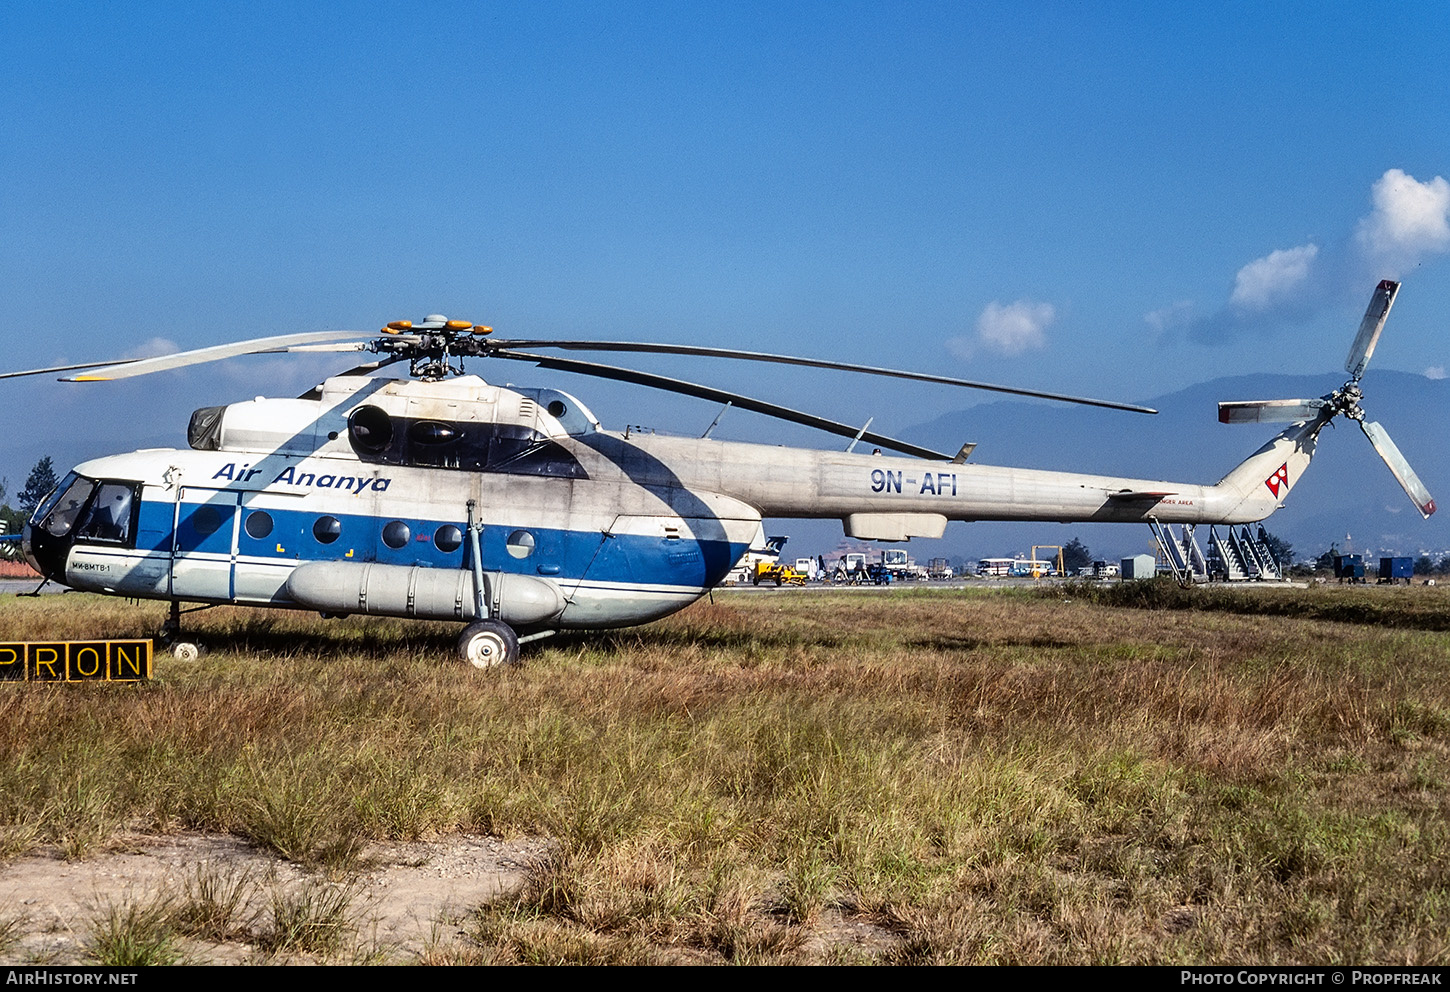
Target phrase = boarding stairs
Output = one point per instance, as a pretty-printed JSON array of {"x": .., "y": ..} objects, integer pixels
[
  {"x": 1242, "y": 555},
  {"x": 1184, "y": 556}
]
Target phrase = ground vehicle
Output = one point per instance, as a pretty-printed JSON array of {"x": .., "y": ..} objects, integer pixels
[{"x": 774, "y": 571}]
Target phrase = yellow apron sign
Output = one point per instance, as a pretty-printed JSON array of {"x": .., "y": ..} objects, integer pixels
[{"x": 75, "y": 661}]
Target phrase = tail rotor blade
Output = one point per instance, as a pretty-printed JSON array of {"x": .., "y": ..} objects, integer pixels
[
  {"x": 1370, "y": 328},
  {"x": 1405, "y": 475},
  {"x": 1269, "y": 411}
]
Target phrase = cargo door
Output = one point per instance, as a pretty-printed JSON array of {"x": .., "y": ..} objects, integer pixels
[{"x": 204, "y": 553}]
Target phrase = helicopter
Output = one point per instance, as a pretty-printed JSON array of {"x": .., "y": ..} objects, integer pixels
[{"x": 515, "y": 512}]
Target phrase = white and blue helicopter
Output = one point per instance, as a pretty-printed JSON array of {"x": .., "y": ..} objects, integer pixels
[{"x": 513, "y": 511}]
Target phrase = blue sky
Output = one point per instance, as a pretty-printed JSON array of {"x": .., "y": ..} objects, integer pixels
[{"x": 1111, "y": 199}]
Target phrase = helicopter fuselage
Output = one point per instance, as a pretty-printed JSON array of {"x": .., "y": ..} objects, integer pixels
[{"x": 366, "y": 499}]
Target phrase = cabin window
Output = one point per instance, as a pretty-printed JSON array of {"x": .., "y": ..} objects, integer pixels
[
  {"x": 327, "y": 529},
  {"x": 447, "y": 538},
  {"x": 259, "y": 524},
  {"x": 206, "y": 520},
  {"x": 521, "y": 544},
  {"x": 396, "y": 535}
]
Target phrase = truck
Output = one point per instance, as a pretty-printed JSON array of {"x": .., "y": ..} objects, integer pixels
[
  {"x": 774, "y": 571},
  {"x": 902, "y": 567}
]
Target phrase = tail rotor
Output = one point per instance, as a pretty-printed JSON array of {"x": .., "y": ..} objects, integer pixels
[{"x": 1345, "y": 401}]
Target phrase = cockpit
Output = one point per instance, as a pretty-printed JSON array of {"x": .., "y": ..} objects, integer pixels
[{"x": 89, "y": 511}]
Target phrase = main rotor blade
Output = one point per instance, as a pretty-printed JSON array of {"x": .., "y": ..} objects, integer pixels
[
  {"x": 1405, "y": 475},
  {"x": 1268, "y": 411},
  {"x": 1370, "y": 328},
  {"x": 65, "y": 368},
  {"x": 721, "y": 396},
  {"x": 181, "y": 359},
  {"x": 759, "y": 356}
]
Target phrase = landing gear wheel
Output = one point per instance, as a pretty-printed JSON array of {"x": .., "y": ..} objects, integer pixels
[
  {"x": 489, "y": 644},
  {"x": 185, "y": 650}
]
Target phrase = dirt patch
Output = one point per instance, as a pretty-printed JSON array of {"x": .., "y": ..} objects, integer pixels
[{"x": 405, "y": 902}]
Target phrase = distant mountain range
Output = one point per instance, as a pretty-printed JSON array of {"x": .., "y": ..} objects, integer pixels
[{"x": 1347, "y": 489}]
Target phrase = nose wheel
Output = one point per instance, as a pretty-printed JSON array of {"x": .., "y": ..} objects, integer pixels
[{"x": 489, "y": 644}]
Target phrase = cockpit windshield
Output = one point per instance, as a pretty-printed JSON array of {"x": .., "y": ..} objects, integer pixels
[
  {"x": 96, "y": 511},
  {"x": 57, "y": 513}
]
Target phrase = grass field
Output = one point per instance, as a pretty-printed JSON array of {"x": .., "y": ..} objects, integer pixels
[{"x": 1071, "y": 775}]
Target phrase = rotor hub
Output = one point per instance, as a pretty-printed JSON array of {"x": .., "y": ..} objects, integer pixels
[
  {"x": 1345, "y": 400},
  {"x": 435, "y": 346}
]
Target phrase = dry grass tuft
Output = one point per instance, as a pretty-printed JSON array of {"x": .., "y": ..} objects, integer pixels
[{"x": 1103, "y": 777}]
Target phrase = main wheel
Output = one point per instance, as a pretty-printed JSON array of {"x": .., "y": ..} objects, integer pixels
[
  {"x": 489, "y": 644},
  {"x": 185, "y": 650}
]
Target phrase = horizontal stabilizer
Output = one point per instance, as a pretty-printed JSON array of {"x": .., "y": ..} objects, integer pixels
[{"x": 1269, "y": 411}]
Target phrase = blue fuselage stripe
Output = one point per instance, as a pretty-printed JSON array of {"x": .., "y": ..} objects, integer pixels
[{"x": 565, "y": 555}]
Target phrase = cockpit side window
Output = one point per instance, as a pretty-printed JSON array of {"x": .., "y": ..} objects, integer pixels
[{"x": 111, "y": 516}]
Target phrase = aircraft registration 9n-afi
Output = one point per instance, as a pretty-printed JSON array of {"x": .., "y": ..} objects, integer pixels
[{"x": 515, "y": 512}]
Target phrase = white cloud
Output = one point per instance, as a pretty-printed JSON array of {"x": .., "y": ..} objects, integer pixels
[
  {"x": 1435, "y": 372},
  {"x": 1274, "y": 279},
  {"x": 1170, "y": 318},
  {"x": 1012, "y": 328},
  {"x": 153, "y": 348},
  {"x": 1410, "y": 219}
]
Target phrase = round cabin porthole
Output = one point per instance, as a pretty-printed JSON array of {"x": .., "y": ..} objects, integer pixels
[
  {"x": 396, "y": 535},
  {"x": 259, "y": 524},
  {"x": 521, "y": 544},
  {"x": 206, "y": 520},
  {"x": 327, "y": 529},
  {"x": 447, "y": 538}
]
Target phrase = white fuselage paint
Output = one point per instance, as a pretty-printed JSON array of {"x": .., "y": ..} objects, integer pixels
[{"x": 642, "y": 528}]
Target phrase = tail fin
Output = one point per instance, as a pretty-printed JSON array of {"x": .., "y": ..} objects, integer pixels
[{"x": 1257, "y": 486}]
